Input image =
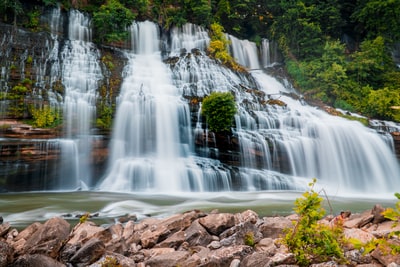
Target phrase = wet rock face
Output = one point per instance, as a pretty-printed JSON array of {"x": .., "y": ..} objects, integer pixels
[{"x": 191, "y": 239}]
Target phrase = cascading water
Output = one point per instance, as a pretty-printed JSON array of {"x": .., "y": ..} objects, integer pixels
[
  {"x": 151, "y": 137},
  {"x": 343, "y": 154},
  {"x": 81, "y": 73}
]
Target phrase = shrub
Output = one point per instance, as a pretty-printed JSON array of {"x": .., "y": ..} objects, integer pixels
[
  {"x": 44, "y": 117},
  {"x": 219, "y": 109},
  {"x": 308, "y": 240}
]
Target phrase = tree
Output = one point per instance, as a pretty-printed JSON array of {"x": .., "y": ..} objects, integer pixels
[
  {"x": 378, "y": 18},
  {"x": 112, "y": 20},
  {"x": 219, "y": 109}
]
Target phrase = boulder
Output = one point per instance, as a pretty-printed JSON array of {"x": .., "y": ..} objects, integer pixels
[
  {"x": 83, "y": 231},
  {"x": 256, "y": 259},
  {"x": 197, "y": 235},
  {"x": 6, "y": 254},
  {"x": 36, "y": 260},
  {"x": 217, "y": 223},
  {"x": 362, "y": 236},
  {"x": 225, "y": 255},
  {"x": 171, "y": 259},
  {"x": 48, "y": 239},
  {"x": 377, "y": 213},
  {"x": 241, "y": 234},
  {"x": 273, "y": 227},
  {"x": 90, "y": 252},
  {"x": 384, "y": 255}
]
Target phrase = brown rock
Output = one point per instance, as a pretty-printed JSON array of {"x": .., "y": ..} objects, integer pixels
[
  {"x": 90, "y": 252},
  {"x": 83, "y": 232},
  {"x": 196, "y": 235},
  {"x": 384, "y": 255},
  {"x": 256, "y": 259},
  {"x": 377, "y": 213},
  {"x": 6, "y": 254},
  {"x": 266, "y": 245},
  {"x": 114, "y": 259},
  {"x": 241, "y": 234},
  {"x": 358, "y": 234},
  {"x": 173, "y": 241},
  {"x": 217, "y": 223},
  {"x": 4, "y": 228},
  {"x": 225, "y": 255},
  {"x": 36, "y": 260},
  {"x": 49, "y": 238},
  {"x": 172, "y": 259},
  {"x": 273, "y": 227}
]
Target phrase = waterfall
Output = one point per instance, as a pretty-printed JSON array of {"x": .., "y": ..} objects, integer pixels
[
  {"x": 151, "y": 137},
  {"x": 81, "y": 73},
  {"x": 343, "y": 154}
]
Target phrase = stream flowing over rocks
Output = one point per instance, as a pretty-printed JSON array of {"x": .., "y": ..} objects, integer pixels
[{"x": 194, "y": 238}]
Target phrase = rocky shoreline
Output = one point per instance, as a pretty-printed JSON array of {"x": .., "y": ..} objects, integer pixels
[{"x": 193, "y": 238}]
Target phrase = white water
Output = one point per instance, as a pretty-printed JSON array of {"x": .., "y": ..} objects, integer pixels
[
  {"x": 344, "y": 155},
  {"x": 282, "y": 147},
  {"x": 151, "y": 137},
  {"x": 80, "y": 75}
]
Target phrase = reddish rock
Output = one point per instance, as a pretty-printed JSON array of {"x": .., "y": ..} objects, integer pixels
[
  {"x": 90, "y": 252},
  {"x": 36, "y": 260},
  {"x": 6, "y": 254},
  {"x": 217, "y": 223},
  {"x": 172, "y": 259},
  {"x": 49, "y": 238},
  {"x": 273, "y": 227},
  {"x": 197, "y": 235}
]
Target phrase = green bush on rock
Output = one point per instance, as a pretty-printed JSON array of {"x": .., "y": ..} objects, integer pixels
[
  {"x": 309, "y": 240},
  {"x": 219, "y": 109}
]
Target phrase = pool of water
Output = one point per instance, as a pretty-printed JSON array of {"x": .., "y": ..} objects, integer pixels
[{"x": 21, "y": 209}]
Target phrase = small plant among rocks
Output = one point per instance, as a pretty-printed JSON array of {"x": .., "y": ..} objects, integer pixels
[{"x": 310, "y": 241}]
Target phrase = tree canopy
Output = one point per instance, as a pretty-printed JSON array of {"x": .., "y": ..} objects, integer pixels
[{"x": 337, "y": 51}]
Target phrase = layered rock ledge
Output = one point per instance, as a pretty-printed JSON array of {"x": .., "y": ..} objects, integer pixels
[{"x": 194, "y": 238}]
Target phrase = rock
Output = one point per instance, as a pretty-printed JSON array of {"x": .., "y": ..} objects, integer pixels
[
  {"x": 36, "y": 260},
  {"x": 83, "y": 231},
  {"x": 225, "y": 255},
  {"x": 273, "y": 227},
  {"x": 4, "y": 228},
  {"x": 164, "y": 228},
  {"x": 49, "y": 238},
  {"x": 113, "y": 259},
  {"x": 6, "y": 254},
  {"x": 384, "y": 229},
  {"x": 266, "y": 245},
  {"x": 257, "y": 259},
  {"x": 384, "y": 255},
  {"x": 242, "y": 234},
  {"x": 358, "y": 234},
  {"x": 173, "y": 241},
  {"x": 171, "y": 259},
  {"x": 359, "y": 220},
  {"x": 90, "y": 252},
  {"x": 197, "y": 235},
  {"x": 217, "y": 223},
  {"x": 377, "y": 213},
  {"x": 356, "y": 257}
]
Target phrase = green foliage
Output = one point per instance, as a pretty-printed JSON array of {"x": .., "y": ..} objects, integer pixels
[
  {"x": 219, "y": 109},
  {"x": 111, "y": 21},
  {"x": 378, "y": 17},
  {"x": 308, "y": 240},
  {"x": 393, "y": 214},
  {"x": 110, "y": 262},
  {"x": 45, "y": 117},
  {"x": 104, "y": 120},
  {"x": 218, "y": 47},
  {"x": 249, "y": 239},
  {"x": 34, "y": 20},
  {"x": 379, "y": 103}
]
